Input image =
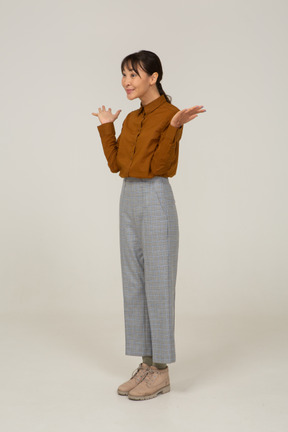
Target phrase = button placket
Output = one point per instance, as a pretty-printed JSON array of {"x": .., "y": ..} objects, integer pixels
[{"x": 136, "y": 139}]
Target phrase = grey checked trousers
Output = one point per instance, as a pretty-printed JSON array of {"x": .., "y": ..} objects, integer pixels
[{"x": 149, "y": 242}]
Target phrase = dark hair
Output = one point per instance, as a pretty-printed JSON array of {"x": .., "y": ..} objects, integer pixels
[{"x": 150, "y": 63}]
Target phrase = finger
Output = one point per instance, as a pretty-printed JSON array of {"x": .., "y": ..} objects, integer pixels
[
  {"x": 196, "y": 111},
  {"x": 103, "y": 108},
  {"x": 109, "y": 109},
  {"x": 190, "y": 110},
  {"x": 192, "y": 117},
  {"x": 196, "y": 107},
  {"x": 95, "y": 114}
]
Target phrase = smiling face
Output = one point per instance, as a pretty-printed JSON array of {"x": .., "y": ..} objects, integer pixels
[{"x": 139, "y": 85}]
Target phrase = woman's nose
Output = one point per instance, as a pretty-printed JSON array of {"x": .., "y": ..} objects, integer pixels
[{"x": 126, "y": 82}]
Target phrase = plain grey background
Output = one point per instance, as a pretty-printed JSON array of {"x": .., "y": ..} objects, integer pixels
[{"x": 59, "y": 247}]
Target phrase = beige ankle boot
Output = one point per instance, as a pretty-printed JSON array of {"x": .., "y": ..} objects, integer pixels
[
  {"x": 155, "y": 381},
  {"x": 137, "y": 376}
]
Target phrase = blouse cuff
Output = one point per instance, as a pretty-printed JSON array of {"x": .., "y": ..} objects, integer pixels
[
  {"x": 173, "y": 132},
  {"x": 106, "y": 129}
]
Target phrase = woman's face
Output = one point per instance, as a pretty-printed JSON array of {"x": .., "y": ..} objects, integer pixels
[{"x": 137, "y": 86}]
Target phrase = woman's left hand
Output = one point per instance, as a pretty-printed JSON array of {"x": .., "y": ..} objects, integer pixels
[{"x": 186, "y": 115}]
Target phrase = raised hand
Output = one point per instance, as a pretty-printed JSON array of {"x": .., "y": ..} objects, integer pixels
[
  {"x": 106, "y": 116},
  {"x": 186, "y": 115}
]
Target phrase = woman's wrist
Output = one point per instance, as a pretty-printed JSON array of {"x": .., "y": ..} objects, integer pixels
[
  {"x": 175, "y": 125},
  {"x": 107, "y": 122}
]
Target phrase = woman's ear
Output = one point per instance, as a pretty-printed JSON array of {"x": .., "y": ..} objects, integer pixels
[{"x": 154, "y": 78}]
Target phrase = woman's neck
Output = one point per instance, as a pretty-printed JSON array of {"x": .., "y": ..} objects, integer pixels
[{"x": 150, "y": 96}]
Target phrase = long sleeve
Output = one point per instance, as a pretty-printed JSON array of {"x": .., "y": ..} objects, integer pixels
[
  {"x": 110, "y": 144},
  {"x": 166, "y": 150}
]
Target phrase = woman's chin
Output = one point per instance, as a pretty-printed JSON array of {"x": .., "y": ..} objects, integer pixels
[{"x": 131, "y": 96}]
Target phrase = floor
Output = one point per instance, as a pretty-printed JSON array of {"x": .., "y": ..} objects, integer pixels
[{"x": 60, "y": 371}]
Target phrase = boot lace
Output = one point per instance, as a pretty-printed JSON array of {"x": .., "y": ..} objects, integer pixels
[
  {"x": 139, "y": 373},
  {"x": 151, "y": 376}
]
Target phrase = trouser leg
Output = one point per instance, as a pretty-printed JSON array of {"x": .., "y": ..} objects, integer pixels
[
  {"x": 137, "y": 325},
  {"x": 160, "y": 235}
]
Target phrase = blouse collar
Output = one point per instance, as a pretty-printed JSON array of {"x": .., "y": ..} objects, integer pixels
[{"x": 152, "y": 105}]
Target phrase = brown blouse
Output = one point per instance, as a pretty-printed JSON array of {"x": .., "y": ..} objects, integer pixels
[{"x": 148, "y": 145}]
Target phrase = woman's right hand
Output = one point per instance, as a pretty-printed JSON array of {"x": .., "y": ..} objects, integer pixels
[{"x": 106, "y": 116}]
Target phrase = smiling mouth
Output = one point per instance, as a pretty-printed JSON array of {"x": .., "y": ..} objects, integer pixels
[{"x": 129, "y": 90}]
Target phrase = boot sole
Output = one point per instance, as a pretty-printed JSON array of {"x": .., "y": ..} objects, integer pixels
[
  {"x": 137, "y": 398},
  {"x": 122, "y": 393}
]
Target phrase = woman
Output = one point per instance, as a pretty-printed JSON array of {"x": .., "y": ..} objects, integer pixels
[{"x": 145, "y": 155}]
